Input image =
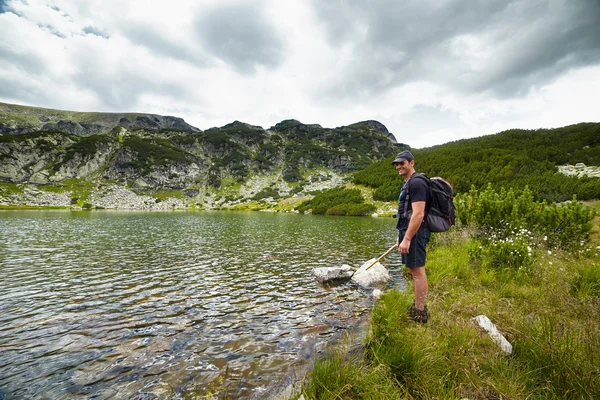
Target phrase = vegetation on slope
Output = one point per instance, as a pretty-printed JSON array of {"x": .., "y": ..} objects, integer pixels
[
  {"x": 510, "y": 159},
  {"x": 338, "y": 201},
  {"x": 543, "y": 296}
]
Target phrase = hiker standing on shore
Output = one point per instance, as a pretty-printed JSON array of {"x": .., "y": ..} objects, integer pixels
[{"x": 413, "y": 233}]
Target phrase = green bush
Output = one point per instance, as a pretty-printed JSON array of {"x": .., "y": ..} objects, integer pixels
[
  {"x": 352, "y": 209},
  {"x": 513, "y": 251},
  {"x": 337, "y": 201},
  {"x": 266, "y": 192},
  {"x": 501, "y": 213}
]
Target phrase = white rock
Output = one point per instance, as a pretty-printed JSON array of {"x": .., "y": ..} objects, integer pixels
[
  {"x": 326, "y": 274},
  {"x": 485, "y": 323},
  {"x": 376, "y": 294},
  {"x": 374, "y": 275}
]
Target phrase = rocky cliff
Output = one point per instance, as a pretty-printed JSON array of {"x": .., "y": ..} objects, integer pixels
[{"x": 85, "y": 159}]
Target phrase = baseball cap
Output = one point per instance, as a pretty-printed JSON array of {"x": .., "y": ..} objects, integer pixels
[{"x": 403, "y": 156}]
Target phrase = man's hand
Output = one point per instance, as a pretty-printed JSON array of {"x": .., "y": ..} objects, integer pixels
[{"x": 404, "y": 246}]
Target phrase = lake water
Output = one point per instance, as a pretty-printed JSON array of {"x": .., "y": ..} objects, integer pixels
[{"x": 110, "y": 304}]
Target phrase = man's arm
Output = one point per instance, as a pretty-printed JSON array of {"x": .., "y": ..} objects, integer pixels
[{"x": 416, "y": 219}]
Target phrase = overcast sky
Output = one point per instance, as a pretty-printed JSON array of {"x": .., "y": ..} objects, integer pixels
[{"x": 432, "y": 71}]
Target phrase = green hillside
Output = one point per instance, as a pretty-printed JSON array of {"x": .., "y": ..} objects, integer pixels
[{"x": 509, "y": 159}]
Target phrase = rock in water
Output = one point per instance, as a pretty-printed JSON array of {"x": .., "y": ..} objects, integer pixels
[
  {"x": 374, "y": 275},
  {"x": 326, "y": 274}
]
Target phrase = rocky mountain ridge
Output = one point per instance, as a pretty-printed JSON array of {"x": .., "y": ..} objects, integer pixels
[
  {"x": 88, "y": 157},
  {"x": 17, "y": 119}
]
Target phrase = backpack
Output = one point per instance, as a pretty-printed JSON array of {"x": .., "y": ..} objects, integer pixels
[{"x": 439, "y": 210}]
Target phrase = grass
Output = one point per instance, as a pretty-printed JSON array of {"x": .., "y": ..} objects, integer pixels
[
  {"x": 548, "y": 311},
  {"x": 165, "y": 194},
  {"x": 289, "y": 204},
  {"x": 2, "y": 207},
  {"x": 7, "y": 189},
  {"x": 80, "y": 189}
]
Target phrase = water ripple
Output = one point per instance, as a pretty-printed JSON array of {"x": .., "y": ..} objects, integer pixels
[{"x": 98, "y": 305}]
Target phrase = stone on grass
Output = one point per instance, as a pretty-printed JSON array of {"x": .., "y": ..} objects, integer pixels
[
  {"x": 496, "y": 336},
  {"x": 326, "y": 274},
  {"x": 374, "y": 275}
]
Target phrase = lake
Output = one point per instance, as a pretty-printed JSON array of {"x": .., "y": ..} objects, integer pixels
[{"x": 110, "y": 304}]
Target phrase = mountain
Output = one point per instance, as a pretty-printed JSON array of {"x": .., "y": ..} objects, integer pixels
[
  {"x": 86, "y": 154},
  {"x": 17, "y": 119}
]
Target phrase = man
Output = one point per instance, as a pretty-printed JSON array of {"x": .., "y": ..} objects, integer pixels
[{"x": 413, "y": 233}]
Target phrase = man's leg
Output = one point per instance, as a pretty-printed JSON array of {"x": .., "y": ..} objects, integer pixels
[{"x": 421, "y": 286}]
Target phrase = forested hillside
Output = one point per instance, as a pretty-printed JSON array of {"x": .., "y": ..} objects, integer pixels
[{"x": 510, "y": 159}]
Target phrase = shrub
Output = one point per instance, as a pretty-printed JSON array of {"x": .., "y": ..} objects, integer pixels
[
  {"x": 266, "y": 192},
  {"x": 513, "y": 251},
  {"x": 351, "y": 209},
  {"x": 337, "y": 201},
  {"x": 503, "y": 212}
]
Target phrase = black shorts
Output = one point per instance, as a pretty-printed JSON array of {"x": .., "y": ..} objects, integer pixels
[{"x": 417, "y": 253}]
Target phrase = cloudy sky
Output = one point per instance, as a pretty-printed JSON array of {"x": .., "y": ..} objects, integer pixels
[{"x": 432, "y": 71}]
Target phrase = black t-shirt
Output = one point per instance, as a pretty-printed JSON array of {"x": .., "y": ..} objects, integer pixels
[{"x": 415, "y": 189}]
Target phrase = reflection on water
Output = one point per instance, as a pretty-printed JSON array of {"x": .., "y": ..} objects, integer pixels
[{"x": 114, "y": 304}]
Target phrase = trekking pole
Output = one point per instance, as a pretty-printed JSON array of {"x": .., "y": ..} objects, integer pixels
[{"x": 383, "y": 255}]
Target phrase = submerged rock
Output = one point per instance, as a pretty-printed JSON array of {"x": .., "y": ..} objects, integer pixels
[
  {"x": 368, "y": 275},
  {"x": 326, "y": 274}
]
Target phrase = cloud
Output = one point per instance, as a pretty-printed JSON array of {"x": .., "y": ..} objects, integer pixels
[
  {"x": 431, "y": 71},
  {"x": 241, "y": 36},
  {"x": 95, "y": 31},
  {"x": 497, "y": 46},
  {"x": 160, "y": 44}
]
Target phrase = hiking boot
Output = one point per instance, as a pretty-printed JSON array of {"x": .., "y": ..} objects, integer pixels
[
  {"x": 412, "y": 310},
  {"x": 417, "y": 315}
]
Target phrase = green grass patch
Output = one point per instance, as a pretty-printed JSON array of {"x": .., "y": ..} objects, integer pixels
[
  {"x": 2, "y": 207},
  {"x": 549, "y": 312},
  {"x": 7, "y": 189},
  {"x": 165, "y": 194},
  {"x": 339, "y": 378},
  {"x": 80, "y": 189}
]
